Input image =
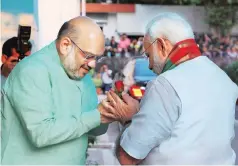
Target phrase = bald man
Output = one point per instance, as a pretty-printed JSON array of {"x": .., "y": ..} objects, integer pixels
[{"x": 50, "y": 102}]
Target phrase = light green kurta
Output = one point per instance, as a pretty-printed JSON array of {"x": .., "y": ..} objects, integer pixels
[{"x": 46, "y": 116}]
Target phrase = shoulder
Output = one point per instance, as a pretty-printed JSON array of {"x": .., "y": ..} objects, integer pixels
[
  {"x": 160, "y": 82},
  {"x": 30, "y": 66},
  {"x": 162, "y": 90},
  {"x": 27, "y": 71}
]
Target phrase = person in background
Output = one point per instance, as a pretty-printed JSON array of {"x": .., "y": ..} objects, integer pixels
[
  {"x": 233, "y": 53},
  {"x": 221, "y": 51},
  {"x": 124, "y": 44},
  {"x": 97, "y": 79},
  {"x": 206, "y": 39},
  {"x": 183, "y": 118},
  {"x": 113, "y": 48},
  {"x": 206, "y": 52},
  {"x": 134, "y": 48},
  {"x": 107, "y": 47},
  {"x": 236, "y": 45},
  {"x": 140, "y": 44},
  {"x": 106, "y": 78},
  {"x": 10, "y": 57}
]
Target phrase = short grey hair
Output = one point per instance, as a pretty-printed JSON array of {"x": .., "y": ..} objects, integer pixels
[
  {"x": 170, "y": 26},
  {"x": 69, "y": 30}
]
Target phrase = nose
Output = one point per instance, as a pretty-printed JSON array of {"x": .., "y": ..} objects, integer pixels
[{"x": 92, "y": 63}]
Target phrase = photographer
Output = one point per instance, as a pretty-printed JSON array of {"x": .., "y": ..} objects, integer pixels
[{"x": 10, "y": 56}]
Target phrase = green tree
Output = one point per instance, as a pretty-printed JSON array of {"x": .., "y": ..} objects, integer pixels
[
  {"x": 221, "y": 18},
  {"x": 232, "y": 72},
  {"x": 90, "y": 1},
  {"x": 221, "y": 15}
]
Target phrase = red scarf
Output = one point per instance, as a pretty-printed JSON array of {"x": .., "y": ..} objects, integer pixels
[{"x": 182, "y": 51}]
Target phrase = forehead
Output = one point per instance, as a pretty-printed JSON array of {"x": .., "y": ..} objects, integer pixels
[
  {"x": 147, "y": 40},
  {"x": 92, "y": 48}
]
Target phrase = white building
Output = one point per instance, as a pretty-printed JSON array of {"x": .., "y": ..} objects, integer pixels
[{"x": 132, "y": 19}]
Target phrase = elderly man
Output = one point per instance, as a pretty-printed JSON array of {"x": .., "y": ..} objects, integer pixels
[
  {"x": 50, "y": 102},
  {"x": 187, "y": 113}
]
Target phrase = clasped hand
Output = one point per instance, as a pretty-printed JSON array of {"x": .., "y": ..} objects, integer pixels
[{"x": 115, "y": 109}]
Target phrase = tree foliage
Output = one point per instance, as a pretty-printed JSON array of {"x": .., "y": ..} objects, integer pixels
[
  {"x": 221, "y": 14},
  {"x": 232, "y": 72}
]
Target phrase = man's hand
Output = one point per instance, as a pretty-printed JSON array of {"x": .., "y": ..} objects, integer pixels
[
  {"x": 8, "y": 66},
  {"x": 121, "y": 110},
  {"x": 106, "y": 117}
]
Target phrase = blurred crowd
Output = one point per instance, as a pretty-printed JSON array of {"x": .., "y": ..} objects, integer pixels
[
  {"x": 221, "y": 50},
  {"x": 210, "y": 46},
  {"x": 213, "y": 46},
  {"x": 124, "y": 47}
]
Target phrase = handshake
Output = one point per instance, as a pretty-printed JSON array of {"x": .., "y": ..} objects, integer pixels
[{"x": 114, "y": 108}]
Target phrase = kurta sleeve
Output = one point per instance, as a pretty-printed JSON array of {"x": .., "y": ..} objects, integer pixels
[{"x": 158, "y": 113}]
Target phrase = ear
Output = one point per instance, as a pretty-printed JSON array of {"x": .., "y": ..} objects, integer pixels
[
  {"x": 4, "y": 58},
  {"x": 161, "y": 44},
  {"x": 65, "y": 45},
  {"x": 164, "y": 46}
]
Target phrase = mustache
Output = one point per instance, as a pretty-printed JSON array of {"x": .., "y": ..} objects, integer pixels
[{"x": 86, "y": 67}]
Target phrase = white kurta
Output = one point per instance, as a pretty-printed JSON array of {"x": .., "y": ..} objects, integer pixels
[{"x": 203, "y": 132}]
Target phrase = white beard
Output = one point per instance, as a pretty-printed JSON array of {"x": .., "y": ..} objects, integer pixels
[
  {"x": 158, "y": 64},
  {"x": 70, "y": 65}
]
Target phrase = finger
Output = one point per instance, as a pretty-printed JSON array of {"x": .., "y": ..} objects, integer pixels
[
  {"x": 104, "y": 103},
  {"x": 115, "y": 97},
  {"x": 127, "y": 99},
  {"x": 111, "y": 109},
  {"x": 108, "y": 115},
  {"x": 108, "y": 107},
  {"x": 111, "y": 99}
]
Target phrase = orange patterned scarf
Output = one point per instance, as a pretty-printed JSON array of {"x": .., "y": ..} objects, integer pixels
[{"x": 182, "y": 51}]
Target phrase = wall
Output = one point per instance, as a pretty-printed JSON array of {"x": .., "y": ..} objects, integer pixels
[
  {"x": 51, "y": 16},
  {"x": 111, "y": 27},
  {"x": 134, "y": 23},
  {"x": 108, "y": 21}
]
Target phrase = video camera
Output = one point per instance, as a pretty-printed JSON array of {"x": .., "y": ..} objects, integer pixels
[{"x": 24, "y": 34}]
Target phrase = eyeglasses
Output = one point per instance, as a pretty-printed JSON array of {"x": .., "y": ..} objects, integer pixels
[
  {"x": 86, "y": 55},
  {"x": 144, "y": 53}
]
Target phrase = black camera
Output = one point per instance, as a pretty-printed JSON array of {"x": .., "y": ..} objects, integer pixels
[{"x": 24, "y": 34}]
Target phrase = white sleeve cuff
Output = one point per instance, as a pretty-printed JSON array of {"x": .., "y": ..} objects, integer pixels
[{"x": 133, "y": 148}]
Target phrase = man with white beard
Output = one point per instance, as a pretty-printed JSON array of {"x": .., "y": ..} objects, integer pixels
[
  {"x": 187, "y": 113},
  {"x": 49, "y": 101}
]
